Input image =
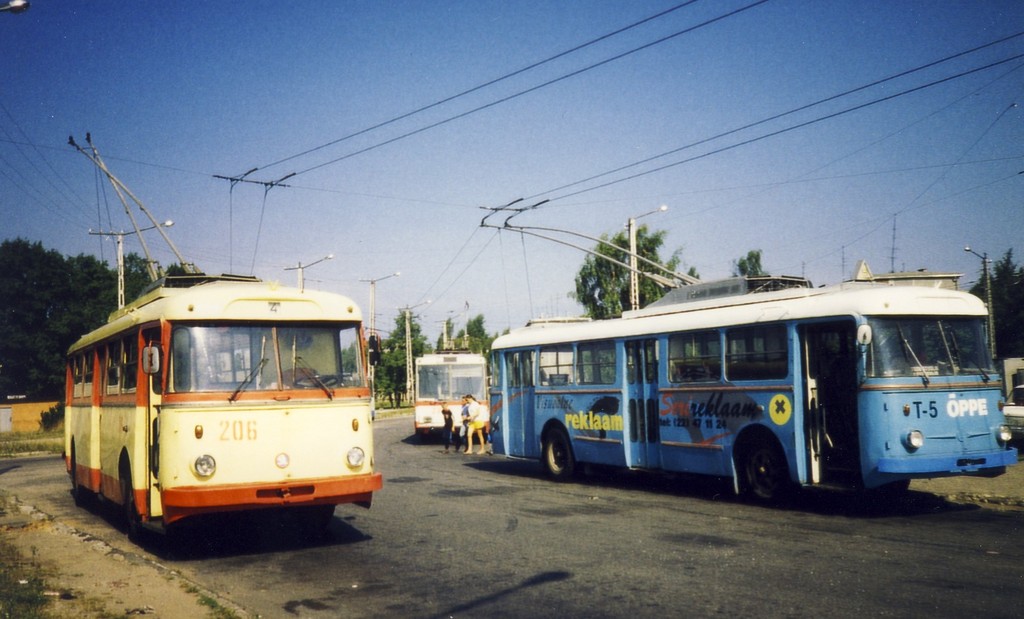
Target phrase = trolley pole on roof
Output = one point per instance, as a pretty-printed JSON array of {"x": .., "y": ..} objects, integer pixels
[
  {"x": 120, "y": 255},
  {"x": 122, "y": 190}
]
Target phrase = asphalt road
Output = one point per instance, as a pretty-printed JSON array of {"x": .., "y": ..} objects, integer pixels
[{"x": 482, "y": 536}]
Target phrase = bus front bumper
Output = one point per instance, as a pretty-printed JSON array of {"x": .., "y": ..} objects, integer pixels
[
  {"x": 992, "y": 462},
  {"x": 185, "y": 501}
]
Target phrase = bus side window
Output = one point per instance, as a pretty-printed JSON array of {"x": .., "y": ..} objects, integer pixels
[
  {"x": 112, "y": 356},
  {"x": 181, "y": 361},
  {"x": 556, "y": 365},
  {"x": 595, "y": 363},
  {"x": 757, "y": 353},
  {"x": 129, "y": 364},
  {"x": 695, "y": 357}
]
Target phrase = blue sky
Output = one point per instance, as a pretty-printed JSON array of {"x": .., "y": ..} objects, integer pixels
[{"x": 176, "y": 94}]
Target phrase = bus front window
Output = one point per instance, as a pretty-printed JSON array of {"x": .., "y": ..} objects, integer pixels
[
  {"x": 239, "y": 358},
  {"x": 926, "y": 347}
]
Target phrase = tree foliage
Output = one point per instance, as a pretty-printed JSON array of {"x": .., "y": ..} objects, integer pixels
[
  {"x": 390, "y": 377},
  {"x": 473, "y": 337},
  {"x": 602, "y": 287},
  {"x": 749, "y": 265},
  {"x": 1007, "y": 282},
  {"x": 49, "y": 301}
]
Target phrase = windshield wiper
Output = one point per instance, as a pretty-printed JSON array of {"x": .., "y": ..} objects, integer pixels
[
  {"x": 959, "y": 357},
  {"x": 908, "y": 348},
  {"x": 248, "y": 379},
  {"x": 310, "y": 373}
]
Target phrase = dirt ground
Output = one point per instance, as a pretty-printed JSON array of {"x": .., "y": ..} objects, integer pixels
[{"x": 86, "y": 577}]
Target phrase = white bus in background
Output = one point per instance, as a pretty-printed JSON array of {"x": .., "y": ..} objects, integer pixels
[{"x": 443, "y": 378}]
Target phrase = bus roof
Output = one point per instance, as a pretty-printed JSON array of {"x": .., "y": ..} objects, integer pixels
[
  {"x": 848, "y": 299},
  {"x": 450, "y": 357},
  {"x": 225, "y": 298}
]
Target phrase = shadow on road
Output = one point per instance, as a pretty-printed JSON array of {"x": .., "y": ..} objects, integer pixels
[
  {"x": 234, "y": 534},
  {"x": 848, "y": 503}
]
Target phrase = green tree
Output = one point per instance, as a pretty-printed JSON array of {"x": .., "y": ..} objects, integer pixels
[
  {"x": 1007, "y": 282},
  {"x": 602, "y": 287},
  {"x": 49, "y": 302},
  {"x": 390, "y": 375},
  {"x": 475, "y": 336},
  {"x": 136, "y": 276},
  {"x": 749, "y": 265}
]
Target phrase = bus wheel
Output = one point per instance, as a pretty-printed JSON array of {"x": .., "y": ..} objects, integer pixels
[
  {"x": 82, "y": 495},
  {"x": 765, "y": 473},
  {"x": 133, "y": 523},
  {"x": 557, "y": 457}
]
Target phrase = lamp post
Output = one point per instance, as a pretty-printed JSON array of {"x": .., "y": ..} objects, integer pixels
[
  {"x": 373, "y": 300},
  {"x": 302, "y": 269},
  {"x": 120, "y": 254},
  {"x": 15, "y": 6},
  {"x": 634, "y": 278},
  {"x": 410, "y": 380},
  {"x": 988, "y": 299}
]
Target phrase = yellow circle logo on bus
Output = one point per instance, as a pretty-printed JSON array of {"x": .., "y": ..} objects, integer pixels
[{"x": 780, "y": 409}]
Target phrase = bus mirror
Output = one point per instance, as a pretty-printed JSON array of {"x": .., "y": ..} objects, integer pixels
[
  {"x": 374, "y": 346},
  {"x": 151, "y": 360},
  {"x": 864, "y": 335}
]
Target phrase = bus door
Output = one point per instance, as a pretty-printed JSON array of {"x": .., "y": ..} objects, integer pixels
[
  {"x": 519, "y": 415},
  {"x": 642, "y": 394},
  {"x": 830, "y": 401},
  {"x": 152, "y": 368}
]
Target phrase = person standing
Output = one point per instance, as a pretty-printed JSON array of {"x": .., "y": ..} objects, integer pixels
[
  {"x": 477, "y": 423},
  {"x": 446, "y": 413}
]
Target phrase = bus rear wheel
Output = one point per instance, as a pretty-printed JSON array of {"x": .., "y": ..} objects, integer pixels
[
  {"x": 133, "y": 523},
  {"x": 556, "y": 455},
  {"x": 82, "y": 495},
  {"x": 764, "y": 472}
]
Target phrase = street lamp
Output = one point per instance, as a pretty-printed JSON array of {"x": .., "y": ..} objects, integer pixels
[
  {"x": 410, "y": 380},
  {"x": 634, "y": 277},
  {"x": 15, "y": 6},
  {"x": 302, "y": 269},
  {"x": 988, "y": 299},
  {"x": 120, "y": 254},
  {"x": 373, "y": 331}
]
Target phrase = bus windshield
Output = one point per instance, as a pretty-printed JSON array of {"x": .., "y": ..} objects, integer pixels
[
  {"x": 264, "y": 357},
  {"x": 450, "y": 381},
  {"x": 927, "y": 347}
]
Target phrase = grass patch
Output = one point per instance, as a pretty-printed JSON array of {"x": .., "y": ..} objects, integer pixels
[
  {"x": 21, "y": 582},
  {"x": 21, "y": 443}
]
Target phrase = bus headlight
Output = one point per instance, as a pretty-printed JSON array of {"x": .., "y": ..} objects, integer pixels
[
  {"x": 1004, "y": 435},
  {"x": 914, "y": 440},
  {"x": 205, "y": 465},
  {"x": 355, "y": 456}
]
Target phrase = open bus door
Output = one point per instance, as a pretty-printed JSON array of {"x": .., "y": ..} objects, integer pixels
[
  {"x": 644, "y": 431},
  {"x": 153, "y": 369},
  {"x": 830, "y": 401}
]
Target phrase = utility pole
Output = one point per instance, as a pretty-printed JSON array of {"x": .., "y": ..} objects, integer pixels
[
  {"x": 634, "y": 275},
  {"x": 988, "y": 300}
]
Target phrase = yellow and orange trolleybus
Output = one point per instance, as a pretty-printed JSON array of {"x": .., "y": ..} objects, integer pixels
[{"x": 222, "y": 394}]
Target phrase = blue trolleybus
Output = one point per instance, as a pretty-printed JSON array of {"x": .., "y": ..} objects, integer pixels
[{"x": 859, "y": 386}]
